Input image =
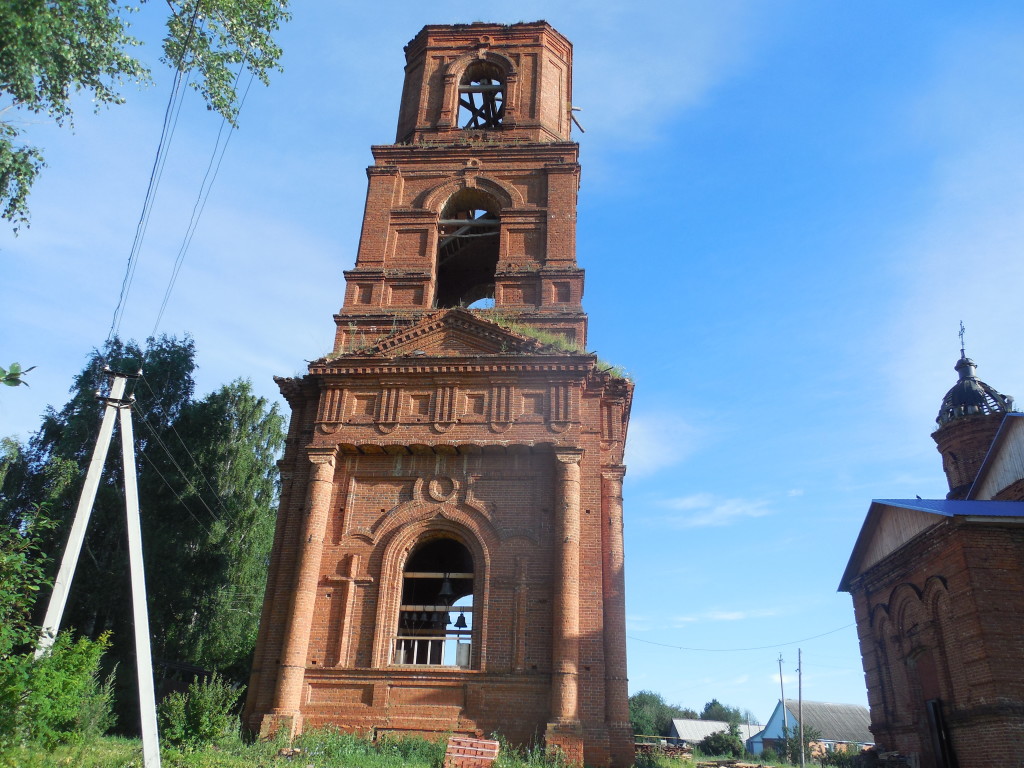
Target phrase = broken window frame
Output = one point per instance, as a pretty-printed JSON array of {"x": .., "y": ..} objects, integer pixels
[{"x": 482, "y": 97}]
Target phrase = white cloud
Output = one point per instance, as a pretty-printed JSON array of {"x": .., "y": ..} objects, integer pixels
[
  {"x": 722, "y": 615},
  {"x": 637, "y": 76},
  {"x": 638, "y": 623},
  {"x": 656, "y": 442},
  {"x": 707, "y": 510}
]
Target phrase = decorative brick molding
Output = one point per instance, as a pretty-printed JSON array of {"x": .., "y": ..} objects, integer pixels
[{"x": 450, "y": 484}]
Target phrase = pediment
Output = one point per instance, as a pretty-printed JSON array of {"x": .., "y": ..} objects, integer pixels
[
  {"x": 453, "y": 333},
  {"x": 887, "y": 527}
]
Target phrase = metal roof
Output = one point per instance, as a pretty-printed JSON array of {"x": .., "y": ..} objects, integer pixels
[
  {"x": 941, "y": 508},
  {"x": 954, "y": 507},
  {"x": 971, "y": 396},
  {"x": 696, "y": 730},
  {"x": 835, "y": 722}
]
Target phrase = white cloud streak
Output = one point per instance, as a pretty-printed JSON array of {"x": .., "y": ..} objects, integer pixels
[
  {"x": 656, "y": 442},
  {"x": 701, "y": 510}
]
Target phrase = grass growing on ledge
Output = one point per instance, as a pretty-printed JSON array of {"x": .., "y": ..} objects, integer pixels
[{"x": 556, "y": 340}]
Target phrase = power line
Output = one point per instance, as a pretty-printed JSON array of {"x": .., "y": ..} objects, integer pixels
[
  {"x": 177, "y": 495},
  {"x": 201, "y": 198},
  {"x": 166, "y": 134},
  {"x": 735, "y": 650},
  {"x": 195, "y": 463},
  {"x": 177, "y": 466}
]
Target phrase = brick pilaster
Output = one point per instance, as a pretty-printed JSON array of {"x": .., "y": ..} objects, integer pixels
[
  {"x": 288, "y": 696},
  {"x": 614, "y": 588}
]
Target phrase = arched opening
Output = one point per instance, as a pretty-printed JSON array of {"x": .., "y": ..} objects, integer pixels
[
  {"x": 435, "y": 618},
  {"x": 467, "y": 251},
  {"x": 482, "y": 96}
]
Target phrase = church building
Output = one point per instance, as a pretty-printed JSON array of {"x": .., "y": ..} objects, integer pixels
[
  {"x": 938, "y": 593},
  {"x": 449, "y": 554}
]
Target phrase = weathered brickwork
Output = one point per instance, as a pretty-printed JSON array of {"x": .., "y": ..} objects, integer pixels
[
  {"x": 433, "y": 431},
  {"x": 963, "y": 444},
  {"x": 938, "y": 618}
]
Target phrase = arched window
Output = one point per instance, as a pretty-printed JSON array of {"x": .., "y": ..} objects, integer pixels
[
  {"x": 467, "y": 251},
  {"x": 435, "y": 619},
  {"x": 482, "y": 96}
]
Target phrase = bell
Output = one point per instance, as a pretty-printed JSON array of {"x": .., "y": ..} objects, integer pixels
[
  {"x": 447, "y": 593},
  {"x": 460, "y": 623}
]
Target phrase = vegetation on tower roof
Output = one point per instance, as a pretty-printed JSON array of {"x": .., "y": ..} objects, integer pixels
[{"x": 551, "y": 339}]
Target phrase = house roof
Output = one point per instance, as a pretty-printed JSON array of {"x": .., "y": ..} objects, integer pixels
[
  {"x": 835, "y": 722},
  {"x": 891, "y": 523},
  {"x": 695, "y": 730}
]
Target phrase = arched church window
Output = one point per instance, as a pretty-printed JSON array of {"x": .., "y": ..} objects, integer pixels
[
  {"x": 435, "y": 619},
  {"x": 482, "y": 96},
  {"x": 467, "y": 251}
]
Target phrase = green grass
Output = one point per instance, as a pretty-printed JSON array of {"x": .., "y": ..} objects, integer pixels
[
  {"x": 556, "y": 340},
  {"x": 327, "y": 748}
]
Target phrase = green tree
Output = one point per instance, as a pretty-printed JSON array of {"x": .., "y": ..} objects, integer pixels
[
  {"x": 219, "y": 527},
  {"x": 22, "y": 576},
  {"x": 791, "y": 743},
  {"x": 715, "y": 710},
  {"x": 650, "y": 715},
  {"x": 50, "y": 49},
  {"x": 208, "y": 492}
]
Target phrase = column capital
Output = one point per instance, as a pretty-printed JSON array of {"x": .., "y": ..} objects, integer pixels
[
  {"x": 322, "y": 454},
  {"x": 569, "y": 455},
  {"x": 613, "y": 472}
]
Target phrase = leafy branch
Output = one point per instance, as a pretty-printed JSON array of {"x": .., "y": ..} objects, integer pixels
[{"x": 12, "y": 376}]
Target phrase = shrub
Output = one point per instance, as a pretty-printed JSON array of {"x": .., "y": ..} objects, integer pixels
[
  {"x": 721, "y": 743},
  {"x": 57, "y": 697},
  {"x": 202, "y": 715}
]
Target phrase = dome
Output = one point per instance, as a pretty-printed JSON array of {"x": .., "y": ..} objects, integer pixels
[{"x": 971, "y": 396}]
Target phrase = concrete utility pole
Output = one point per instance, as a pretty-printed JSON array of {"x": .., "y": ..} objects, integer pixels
[
  {"x": 785, "y": 717},
  {"x": 800, "y": 701},
  {"x": 61, "y": 585},
  {"x": 112, "y": 405}
]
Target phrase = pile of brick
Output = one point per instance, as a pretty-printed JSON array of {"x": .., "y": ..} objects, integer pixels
[
  {"x": 675, "y": 751},
  {"x": 465, "y": 752}
]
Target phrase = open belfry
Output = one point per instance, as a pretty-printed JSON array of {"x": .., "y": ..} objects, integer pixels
[{"x": 449, "y": 552}]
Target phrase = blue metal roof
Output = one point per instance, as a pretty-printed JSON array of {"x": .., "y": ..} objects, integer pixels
[
  {"x": 940, "y": 507},
  {"x": 951, "y": 507}
]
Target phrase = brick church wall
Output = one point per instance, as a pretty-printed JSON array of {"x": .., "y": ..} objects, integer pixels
[{"x": 431, "y": 422}]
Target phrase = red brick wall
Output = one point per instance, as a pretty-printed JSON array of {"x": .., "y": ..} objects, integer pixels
[
  {"x": 940, "y": 619},
  {"x": 453, "y": 426},
  {"x": 964, "y": 443}
]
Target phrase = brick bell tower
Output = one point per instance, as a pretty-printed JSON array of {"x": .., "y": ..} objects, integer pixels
[{"x": 449, "y": 554}]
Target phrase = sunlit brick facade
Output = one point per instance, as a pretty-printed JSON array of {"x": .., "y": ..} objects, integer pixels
[{"x": 449, "y": 554}]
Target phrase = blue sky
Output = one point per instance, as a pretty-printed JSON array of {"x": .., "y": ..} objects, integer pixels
[{"x": 787, "y": 209}]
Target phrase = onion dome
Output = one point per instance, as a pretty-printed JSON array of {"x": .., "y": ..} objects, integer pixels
[{"x": 971, "y": 396}]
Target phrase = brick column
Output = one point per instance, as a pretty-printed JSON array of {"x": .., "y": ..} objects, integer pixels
[
  {"x": 620, "y": 734},
  {"x": 564, "y": 730},
  {"x": 288, "y": 696},
  {"x": 261, "y": 679}
]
